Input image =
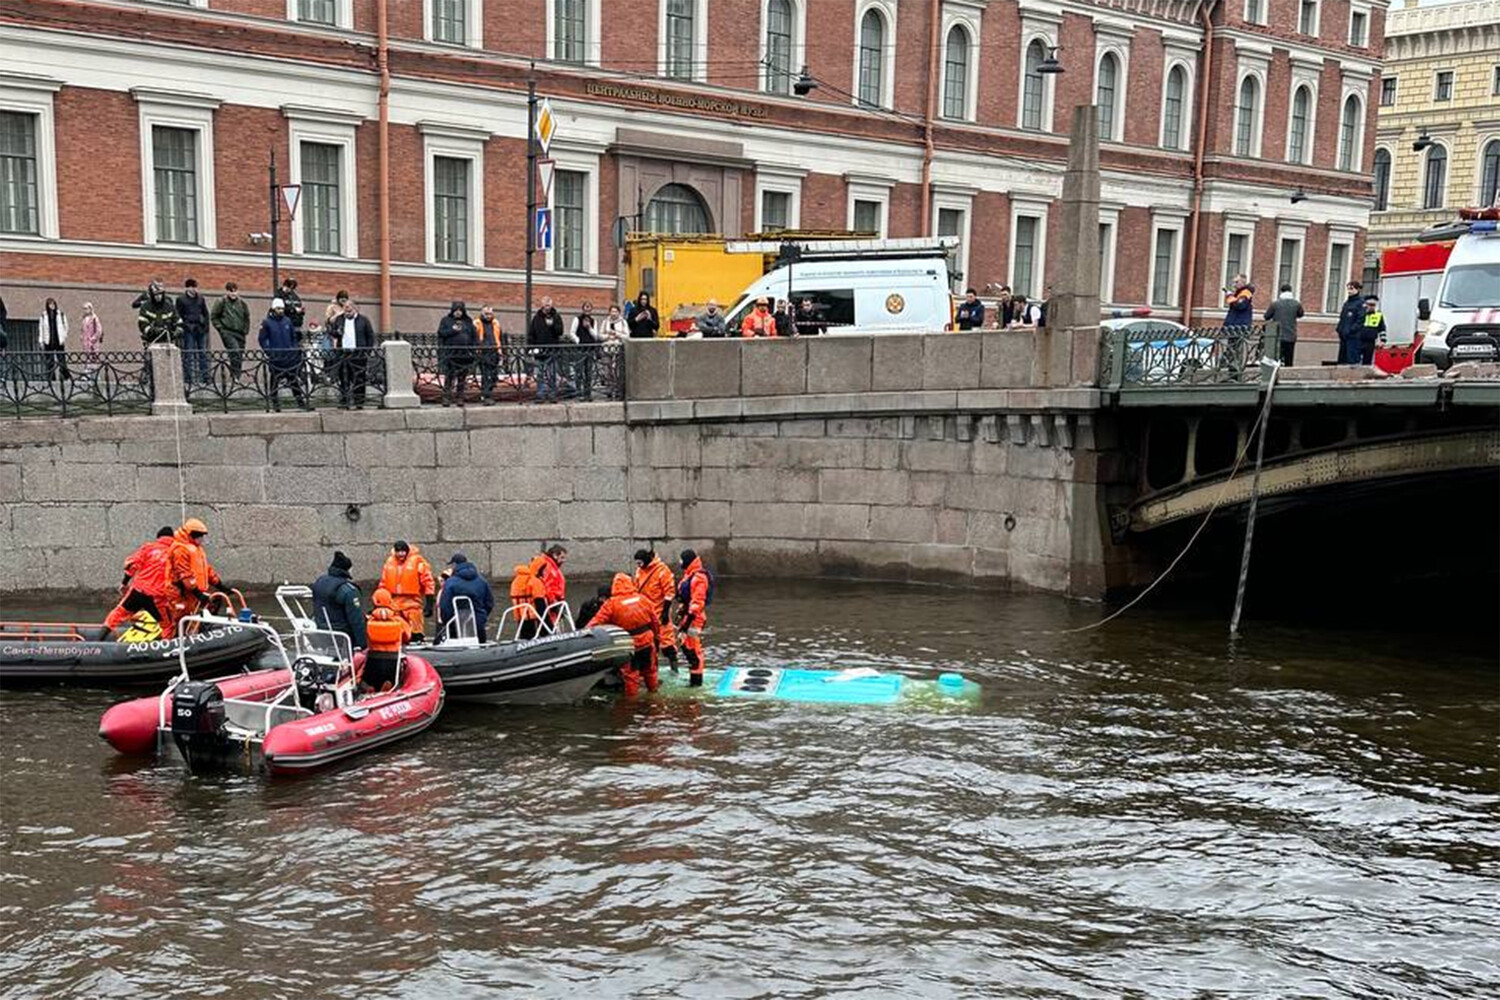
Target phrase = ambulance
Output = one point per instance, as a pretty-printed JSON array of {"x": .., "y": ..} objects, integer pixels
[{"x": 1462, "y": 322}]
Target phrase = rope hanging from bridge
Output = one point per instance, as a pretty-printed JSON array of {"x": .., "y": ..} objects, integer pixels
[{"x": 1260, "y": 454}]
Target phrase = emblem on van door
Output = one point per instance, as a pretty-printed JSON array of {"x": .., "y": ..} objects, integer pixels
[{"x": 894, "y": 303}]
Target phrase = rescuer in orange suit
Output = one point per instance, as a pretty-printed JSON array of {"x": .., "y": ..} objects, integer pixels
[
  {"x": 189, "y": 576},
  {"x": 632, "y": 612},
  {"x": 759, "y": 322},
  {"x": 386, "y": 631},
  {"x": 407, "y": 577},
  {"x": 143, "y": 570},
  {"x": 654, "y": 581},
  {"x": 694, "y": 594},
  {"x": 537, "y": 586}
]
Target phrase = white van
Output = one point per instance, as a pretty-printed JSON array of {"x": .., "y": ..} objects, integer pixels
[
  {"x": 1468, "y": 300},
  {"x": 859, "y": 293}
]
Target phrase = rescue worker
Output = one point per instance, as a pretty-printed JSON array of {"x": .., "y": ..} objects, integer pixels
[
  {"x": 694, "y": 592},
  {"x": 466, "y": 581},
  {"x": 387, "y": 631},
  {"x": 336, "y": 605},
  {"x": 1371, "y": 331},
  {"x": 759, "y": 322},
  {"x": 157, "y": 317},
  {"x": 654, "y": 581},
  {"x": 407, "y": 577},
  {"x": 630, "y": 611},
  {"x": 535, "y": 587},
  {"x": 142, "y": 568},
  {"x": 189, "y": 576}
]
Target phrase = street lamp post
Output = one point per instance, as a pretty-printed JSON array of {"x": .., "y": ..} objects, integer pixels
[
  {"x": 275, "y": 220},
  {"x": 530, "y": 183}
]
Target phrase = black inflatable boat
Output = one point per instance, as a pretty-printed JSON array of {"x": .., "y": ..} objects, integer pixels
[
  {"x": 550, "y": 670},
  {"x": 32, "y": 652}
]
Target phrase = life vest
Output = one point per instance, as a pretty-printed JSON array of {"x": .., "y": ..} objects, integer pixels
[
  {"x": 411, "y": 577},
  {"x": 685, "y": 588},
  {"x": 189, "y": 564},
  {"x": 1374, "y": 319},
  {"x": 385, "y": 631},
  {"x": 526, "y": 586},
  {"x": 628, "y": 610},
  {"x": 654, "y": 582},
  {"x": 143, "y": 628}
]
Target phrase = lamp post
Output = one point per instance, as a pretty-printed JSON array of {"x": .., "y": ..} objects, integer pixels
[{"x": 530, "y": 183}]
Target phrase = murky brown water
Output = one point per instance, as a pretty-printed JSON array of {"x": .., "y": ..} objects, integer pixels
[{"x": 1129, "y": 813}]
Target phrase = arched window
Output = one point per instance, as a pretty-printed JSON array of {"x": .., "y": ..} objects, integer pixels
[
  {"x": 1296, "y": 146},
  {"x": 956, "y": 73},
  {"x": 1489, "y": 173},
  {"x": 1349, "y": 134},
  {"x": 1245, "y": 115},
  {"x": 1104, "y": 97},
  {"x": 872, "y": 58},
  {"x": 1035, "y": 86},
  {"x": 779, "y": 46},
  {"x": 1435, "y": 178},
  {"x": 1171, "y": 112},
  {"x": 1382, "y": 180},
  {"x": 677, "y": 208}
]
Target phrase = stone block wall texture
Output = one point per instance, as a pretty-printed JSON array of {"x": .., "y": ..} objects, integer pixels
[{"x": 958, "y": 497}]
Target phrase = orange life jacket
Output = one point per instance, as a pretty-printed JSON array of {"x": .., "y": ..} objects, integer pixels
[
  {"x": 527, "y": 586},
  {"x": 386, "y": 631},
  {"x": 189, "y": 568},
  {"x": 630, "y": 611},
  {"x": 654, "y": 582},
  {"x": 409, "y": 578}
]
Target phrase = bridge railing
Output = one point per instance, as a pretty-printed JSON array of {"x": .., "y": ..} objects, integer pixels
[
  {"x": 517, "y": 373},
  {"x": 1173, "y": 356},
  {"x": 37, "y": 383}
]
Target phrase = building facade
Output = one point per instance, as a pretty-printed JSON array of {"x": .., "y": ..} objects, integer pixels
[
  {"x": 1441, "y": 81},
  {"x": 137, "y": 136}
]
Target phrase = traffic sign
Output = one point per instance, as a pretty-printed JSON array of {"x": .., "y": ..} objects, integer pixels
[
  {"x": 292, "y": 195},
  {"x": 546, "y": 168},
  {"x": 544, "y": 229},
  {"x": 546, "y": 125}
]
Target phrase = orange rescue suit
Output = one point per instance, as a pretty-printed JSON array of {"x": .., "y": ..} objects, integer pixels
[
  {"x": 188, "y": 574},
  {"x": 655, "y": 583},
  {"x": 630, "y": 611},
  {"x": 693, "y": 617},
  {"x": 386, "y": 631},
  {"x": 409, "y": 582},
  {"x": 758, "y": 323}
]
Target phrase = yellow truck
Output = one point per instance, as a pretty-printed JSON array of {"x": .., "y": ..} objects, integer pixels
[{"x": 681, "y": 273}]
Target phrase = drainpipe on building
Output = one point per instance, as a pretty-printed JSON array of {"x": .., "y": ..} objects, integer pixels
[
  {"x": 1200, "y": 140},
  {"x": 934, "y": 24},
  {"x": 383, "y": 61}
]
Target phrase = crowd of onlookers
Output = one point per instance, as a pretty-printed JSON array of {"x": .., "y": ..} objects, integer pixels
[{"x": 1361, "y": 324}]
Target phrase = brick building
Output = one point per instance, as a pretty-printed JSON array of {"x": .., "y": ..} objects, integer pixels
[
  {"x": 136, "y": 135},
  {"x": 1441, "y": 80}
]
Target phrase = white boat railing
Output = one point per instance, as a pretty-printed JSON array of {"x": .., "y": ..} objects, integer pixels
[
  {"x": 556, "y": 618},
  {"x": 463, "y": 628}
]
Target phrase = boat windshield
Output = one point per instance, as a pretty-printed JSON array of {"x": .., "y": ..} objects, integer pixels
[{"x": 1471, "y": 286}]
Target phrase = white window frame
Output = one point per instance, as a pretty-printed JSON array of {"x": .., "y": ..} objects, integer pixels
[
  {"x": 887, "y": 9},
  {"x": 586, "y": 163},
  {"x": 1238, "y": 225},
  {"x": 1174, "y": 59},
  {"x": 473, "y": 24},
  {"x": 788, "y": 183},
  {"x": 343, "y": 14},
  {"x": 1483, "y": 139},
  {"x": 1390, "y": 153},
  {"x": 330, "y": 128},
  {"x": 458, "y": 143},
  {"x": 959, "y": 200},
  {"x": 1304, "y": 74},
  {"x": 1113, "y": 39},
  {"x": 700, "y": 41},
  {"x": 1422, "y": 205},
  {"x": 876, "y": 189},
  {"x": 1452, "y": 85},
  {"x": 1109, "y": 215},
  {"x": 1292, "y": 231},
  {"x": 1036, "y": 27},
  {"x": 593, "y": 27},
  {"x": 1317, "y": 20},
  {"x": 1264, "y": 6},
  {"x": 1359, "y": 8},
  {"x": 34, "y": 96},
  {"x": 1336, "y": 237},
  {"x": 1356, "y": 155},
  {"x": 967, "y": 17},
  {"x": 1165, "y": 221},
  {"x": 186, "y": 111},
  {"x": 1036, "y": 208},
  {"x": 1257, "y": 126},
  {"x": 799, "y": 43}
]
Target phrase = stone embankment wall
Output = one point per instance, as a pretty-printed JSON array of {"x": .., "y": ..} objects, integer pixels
[{"x": 878, "y": 457}]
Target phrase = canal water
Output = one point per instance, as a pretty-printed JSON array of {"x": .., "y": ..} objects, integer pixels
[{"x": 1132, "y": 812}]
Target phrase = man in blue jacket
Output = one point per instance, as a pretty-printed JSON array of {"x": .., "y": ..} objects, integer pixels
[
  {"x": 1351, "y": 324},
  {"x": 278, "y": 338},
  {"x": 466, "y": 582},
  {"x": 336, "y": 603}
]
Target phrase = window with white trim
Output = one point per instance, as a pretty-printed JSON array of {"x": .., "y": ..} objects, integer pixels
[
  {"x": 1307, "y": 18},
  {"x": 1489, "y": 173},
  {"x": 454, "y": 22},
  {"x": 775, "y": 211},
  {"x": 1382, "y": 180},
  {"x": 1027, "y": 238},
  {"x": 1443, "y": 86},
  {"x": 777, "y": 201},
  {"x": 321, "y": 200},
  {"x": 569, "y": 217},
  {"x": 1338, "y": 273},
  {"x": 1289, "y": 264},
  {"x": 1238, "y": 247},
  {"x": 1495, "y": 83},
  {"x": 1387, "y": 91},
  {"x": 570, "y": 30},
  {"x": 1164, "y": 254},
  {"x": 952, "y": 213},
  {"x": 681, "y": 24},
  {"x": 1247, "y": 117},
  {"x": 177, "y": 173},
  {"x": 780, "y": 33},
  {"x": 20, "y": 195},
  {"x": 1298, "y": 146},
  {"x": 956, "y": 73},
  {"x": 317, "y": 11},
  {"x": 869, "y": 204},
  {"x": 1435, "y": 177},
  {"x": 1106, "y": 82},
  {"x": 1174, "y": 101},
  {"x": 1108, "y": 227},
  {"x": 322, "y": 160},
  {"x": 1359, "y": 28},
  {"x": 1350, "y": 132},
  {"x": 454, "y": 185},
  {"x": 871, "y": 58},
  {"x": 1036, "y": 87},
  {"x": 867, "y": 215},
  {"x": 1255, "y": 11},
  {"x": 450, "y": 209}
]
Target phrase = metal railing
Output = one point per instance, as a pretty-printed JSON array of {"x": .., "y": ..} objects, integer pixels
[
  {"x": 310, "y": 379},
  {"x": 513, "y": 374},
  {"x": 1178, "y": 356},
  {"x": 75, "y": 383}
]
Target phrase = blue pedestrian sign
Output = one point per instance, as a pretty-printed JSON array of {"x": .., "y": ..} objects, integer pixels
[{"x": 544, "y": 229}]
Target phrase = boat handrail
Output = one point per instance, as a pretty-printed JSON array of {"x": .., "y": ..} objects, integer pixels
[
  {"x": 549, "y": 623},
  {"x": 463, "y": 628},
  {"x": 182, "y": 650},
  {"x": 35, "y": 631},
  {"x": 290, "y": 596}
]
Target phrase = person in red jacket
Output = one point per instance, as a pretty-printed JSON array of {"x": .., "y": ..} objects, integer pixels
[
  {"x": 138, "y": 565},
  {"x": 694, "y": 592},
  {"x": 190, "y": 576},
  {"x": 629, "y": 610}
]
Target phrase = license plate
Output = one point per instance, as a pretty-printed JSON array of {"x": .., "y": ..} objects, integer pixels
[{"x": 1473, "y": 349}]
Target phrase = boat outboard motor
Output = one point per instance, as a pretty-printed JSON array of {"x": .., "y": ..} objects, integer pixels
[{"x": 198, "y": 721}]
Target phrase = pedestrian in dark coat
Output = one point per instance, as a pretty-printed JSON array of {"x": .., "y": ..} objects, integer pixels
[
  {"x": 1285, "y": 312},
  {"x": 336, "y": 601},
  {"x": 643, "y": 319},
  {"x": 1351, "y": 323},
  {"x": 278, "y": 338},
  {"x": 192, "y": 316},
  {"x": 545, "y": 332},
  {"x": 351, "y": 338},
  {"x": 458, "y": 341},
  {"x": 156, "y": 317},
  {"x": 466, "y": 581}
]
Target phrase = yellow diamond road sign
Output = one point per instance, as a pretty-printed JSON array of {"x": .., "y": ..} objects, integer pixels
[{"x": 546, "y": 125}]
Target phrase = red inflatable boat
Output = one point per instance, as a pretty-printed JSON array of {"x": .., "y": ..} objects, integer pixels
[{"x": 305, "y": 716}]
